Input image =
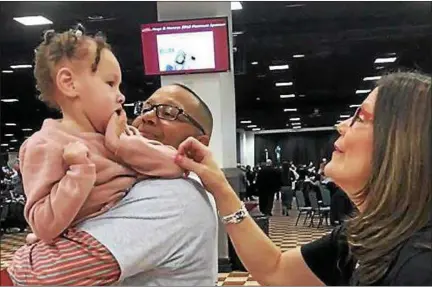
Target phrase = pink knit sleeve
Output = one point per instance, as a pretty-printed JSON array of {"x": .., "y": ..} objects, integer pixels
[
  {"x": 55, "y": 193},
  {"x": 148, "y": 157}
]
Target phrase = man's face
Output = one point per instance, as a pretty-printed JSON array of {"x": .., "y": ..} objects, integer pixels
[{"x": 170, "y": 132}]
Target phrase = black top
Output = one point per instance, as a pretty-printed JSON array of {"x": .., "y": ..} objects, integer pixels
[
  {"x": 268, "y": 179},
  {"x": 327, "y": 258}
]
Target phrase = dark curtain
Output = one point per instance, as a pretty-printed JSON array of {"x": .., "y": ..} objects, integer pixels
[
  {"x": 299, "y": 147},
  {"x": 238, "y": 146}
]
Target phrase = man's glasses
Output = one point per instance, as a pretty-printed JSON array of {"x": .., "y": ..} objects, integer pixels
[{"x": 165, "y": 112}]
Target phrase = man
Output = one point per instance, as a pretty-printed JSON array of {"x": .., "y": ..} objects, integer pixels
[
  {"x": 268, "y": 183},
  {"x": 164, "y": 232}
]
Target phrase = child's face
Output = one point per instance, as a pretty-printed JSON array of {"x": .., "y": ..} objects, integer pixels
[{"x": 99, "y": 92}]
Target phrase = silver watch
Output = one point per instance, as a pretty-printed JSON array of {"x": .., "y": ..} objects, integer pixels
[{"x": 236, "y": 217}]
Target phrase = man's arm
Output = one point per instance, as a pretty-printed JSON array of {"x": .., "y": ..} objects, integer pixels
[{"x": 157, "y": 222}]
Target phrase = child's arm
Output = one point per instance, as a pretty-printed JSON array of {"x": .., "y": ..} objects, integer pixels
[
  {"x": 53, "y": 197},
  {"x": 145, "y": 156}
]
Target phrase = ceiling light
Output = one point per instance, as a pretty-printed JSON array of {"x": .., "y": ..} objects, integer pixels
[
  {"x": 13, "y": 141},
  {"x": 254, "y": 63},
  {"x": 245, "y": 122},
  {"x": 363, "y": 91},
  {"x": 379, "y": 67},
  {"x": 95, "y": 17},
  {"x": 287, "y": 96},
  {"x": 294, "y": 5},
  {"x": 278, "y": 67},
  {"x": 9, "y": 100},
  {"x": 345, "y": 116},
  {"x": 298, "y": 56},
  {"x": 21, "y": 66},
  {"x": 235, "y": 33},
  {"x": 4, "y": 144},
  {"x": 296, "y": 124},
  {"x": 284, "y": 84},
  {"x": 290, "y": 110},
  {"x": 11, "y": 148},
  {"x": 252, "y": 126},
  {"x": 374, "y": 78},
  {"x": 385, "y": 60},
  {"x": 33, "y": 20},
  {"x": 129, "y": 105},
  {"x": 354, "y": 106},
  {"x": 26, "y": 130},
  {"x": 8, "y": 135},
  {"x": 297, "y": 127},
  {"x": 10, "y": 124},
  {"x": 7, "y": 72},
  {"x": 294, "y": 119},
  {"x": 256, "y": 129},
  {"x": 339, "y": 121},
  {"x": 258, "y": 99},
  {"x": 302, "y": 96},
  {"x": 236, "y": 5}
]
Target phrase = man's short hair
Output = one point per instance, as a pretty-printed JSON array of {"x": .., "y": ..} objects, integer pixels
[{"x": 202, "y": 105}]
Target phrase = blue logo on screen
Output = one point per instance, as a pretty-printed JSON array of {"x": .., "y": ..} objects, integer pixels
[{"x": 166, "y": 51}]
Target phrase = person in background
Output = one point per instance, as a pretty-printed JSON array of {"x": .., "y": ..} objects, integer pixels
[
  {"x": 250, "y": 177},
  {"x": 268, "y": 183},
  {"x": 388, "y": 176},
  {"x": 287, "y": 191}
]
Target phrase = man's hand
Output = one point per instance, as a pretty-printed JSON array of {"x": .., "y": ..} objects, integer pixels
[{"x": 75, "y": 153}]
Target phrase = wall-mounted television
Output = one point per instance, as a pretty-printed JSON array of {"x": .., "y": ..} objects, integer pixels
[{"x": 186, "y": 46}]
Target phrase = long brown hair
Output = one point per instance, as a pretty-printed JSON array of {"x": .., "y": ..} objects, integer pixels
[{"x": 398, "y": 195}]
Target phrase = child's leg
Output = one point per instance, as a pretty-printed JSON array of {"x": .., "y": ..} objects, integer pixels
[{"x": 76, "y": 258}]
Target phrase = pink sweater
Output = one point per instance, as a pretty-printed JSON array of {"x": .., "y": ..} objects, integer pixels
[{"x": 59, "y": 196}]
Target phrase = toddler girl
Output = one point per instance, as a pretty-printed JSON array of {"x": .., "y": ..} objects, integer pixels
[{"x": 81, "y": 165}]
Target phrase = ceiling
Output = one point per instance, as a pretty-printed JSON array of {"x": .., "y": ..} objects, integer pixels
[{"x": 339, "y": 43}]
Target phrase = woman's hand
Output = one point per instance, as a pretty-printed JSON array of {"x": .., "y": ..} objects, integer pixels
[{"x": 195, "y": 157}]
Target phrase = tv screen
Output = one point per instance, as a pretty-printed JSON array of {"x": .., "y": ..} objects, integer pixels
[{"x": 184, "y": 47}]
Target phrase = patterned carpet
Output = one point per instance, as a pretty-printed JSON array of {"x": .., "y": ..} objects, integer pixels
[{"x": 282, "y": 231}]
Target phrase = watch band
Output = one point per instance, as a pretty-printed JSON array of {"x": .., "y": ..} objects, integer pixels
[{"x": 236, "y": 217}]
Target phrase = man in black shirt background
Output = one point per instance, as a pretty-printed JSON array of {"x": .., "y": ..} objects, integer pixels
[{"x": 268, "y": 183}]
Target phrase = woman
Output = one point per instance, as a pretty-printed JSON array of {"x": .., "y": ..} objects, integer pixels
[
  {"x": 383, "y": 161},
  {"x": 286, "y": 189}
]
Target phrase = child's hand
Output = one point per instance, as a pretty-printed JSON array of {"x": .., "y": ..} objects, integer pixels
[
  {"x": 116, "y": 126},
  {"x": 75, "y": 153}
]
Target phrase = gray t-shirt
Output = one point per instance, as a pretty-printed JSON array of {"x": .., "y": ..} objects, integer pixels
[{"x": 163, "y": 233}]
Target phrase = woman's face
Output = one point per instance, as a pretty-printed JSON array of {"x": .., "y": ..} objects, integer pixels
[{"x": 350, "y": 165}]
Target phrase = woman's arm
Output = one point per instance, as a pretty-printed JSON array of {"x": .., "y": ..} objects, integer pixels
[{"x": 264, "y": 260}]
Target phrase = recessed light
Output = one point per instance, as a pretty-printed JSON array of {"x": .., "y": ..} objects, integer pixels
[
  {"x": 258, "y": 99},
  {"x": 290, "y": 110},
  {"x": 363, "y": 91},
  {"x": 254, "y": 63},
  {"x": 236, "y": 5},
  {"x": 287, "y": 96},
  {"x": 284, "y": 84},
  {"x": 245, "y": 122},
  {"x": 10, "y": 124},
  {"x": 294, "y": 5},
  {"x": 11, "y": 148},
  {"x": 298, "y": 56},
  {"x": 27, "y": 130},
  {"x": 236, "y": 33},
  {"x": 8, "y": 135},
  {"x": 5, "y": 144},
  {"x": 354, "y": 106},
  {"x": 345, "y": 116},
  {"x": 278, "y": 67},
  {"x": 385, "y": 60},
  {"x": 302, "y": 96},
  {"x": 374, "y": 78},
  {"x": 13, "y": 141},
  {"x": 297, "y": 127},
  {"x": 7, "y": 72},
  {"x": 21, "y": 66},
  {"x": 256, "y": 129},
  {"x": 9, "y": 100},
  {"x": 33, "y": 20},
  {"x": 129, "y": 105},
  {"x": 252, "y": 126},
  {"x": 95, "y": 18},
  {"x": 294, "y": 119},
  {"x": 379, "y": 67}
]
